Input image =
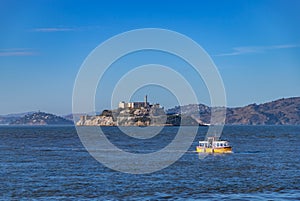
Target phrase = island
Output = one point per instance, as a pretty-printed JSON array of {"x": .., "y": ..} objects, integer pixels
[{"x": 41, "y": 118}]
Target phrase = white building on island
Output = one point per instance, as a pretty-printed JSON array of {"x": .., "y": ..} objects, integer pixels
[{"x": 135, "y": 105}]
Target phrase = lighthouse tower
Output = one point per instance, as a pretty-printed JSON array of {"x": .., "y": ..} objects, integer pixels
[{"x": 146, "y": 101}]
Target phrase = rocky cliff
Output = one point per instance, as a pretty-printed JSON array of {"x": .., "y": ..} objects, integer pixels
[{"x": 126, "y": 117}]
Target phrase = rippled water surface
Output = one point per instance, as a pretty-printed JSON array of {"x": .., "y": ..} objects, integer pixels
[{"x": 51, "y": 163}]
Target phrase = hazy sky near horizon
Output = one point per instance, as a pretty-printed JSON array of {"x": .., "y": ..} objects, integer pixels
[{"x": 255, "y": 45}]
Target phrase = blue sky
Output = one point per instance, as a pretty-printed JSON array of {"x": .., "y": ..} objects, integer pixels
[{"x": 254, "y": 44}]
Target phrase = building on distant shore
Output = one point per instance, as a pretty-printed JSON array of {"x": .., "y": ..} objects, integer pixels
[{"x": 136, "y": 105}]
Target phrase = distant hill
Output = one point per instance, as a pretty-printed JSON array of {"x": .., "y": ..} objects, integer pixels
[
  {"x": 41, "y": 118},
  {"x": 7, "y": 118},
  {"x": 285, "y": 111}
]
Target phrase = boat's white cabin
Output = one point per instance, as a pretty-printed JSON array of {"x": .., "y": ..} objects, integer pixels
[
  {"x": 220, "y": 144},
  {"x": 203, "y": 144},
  {"x": 206, "y": 144}
]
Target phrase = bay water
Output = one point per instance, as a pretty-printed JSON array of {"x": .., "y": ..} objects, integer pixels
[{"x": 50, "y": 162}]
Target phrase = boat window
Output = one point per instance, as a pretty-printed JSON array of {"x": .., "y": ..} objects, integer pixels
[{"x": 221, "y": 144}]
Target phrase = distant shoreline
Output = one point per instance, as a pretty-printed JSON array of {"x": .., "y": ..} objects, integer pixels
[{"x": 285, "y": 111}]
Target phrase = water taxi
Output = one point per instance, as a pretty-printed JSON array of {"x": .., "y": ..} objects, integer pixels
[{"x": 213, "y": 145}]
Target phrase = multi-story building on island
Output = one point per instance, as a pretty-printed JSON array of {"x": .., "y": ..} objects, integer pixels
[{"x": 136, "y": 105}]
